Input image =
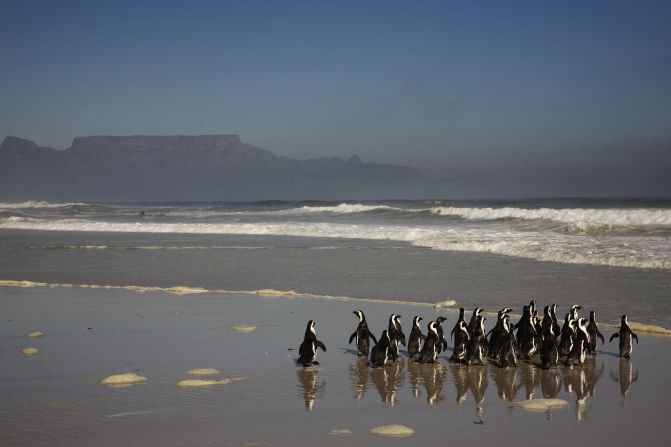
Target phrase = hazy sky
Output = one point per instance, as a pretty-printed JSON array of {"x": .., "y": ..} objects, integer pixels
[{"x": 521, "y": 88}]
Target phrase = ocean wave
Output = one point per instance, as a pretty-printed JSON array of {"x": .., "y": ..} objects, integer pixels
[
  {"x": 640, "y": 252},
  {"x": 38, "y": 204},
  {"x": 583, "y": 216}
]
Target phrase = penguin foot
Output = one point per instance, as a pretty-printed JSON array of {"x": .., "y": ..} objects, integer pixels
[{"x": 315, "y": 363}]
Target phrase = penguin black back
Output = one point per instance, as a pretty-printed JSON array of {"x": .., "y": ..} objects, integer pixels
[
  {"x": 626, "y": 338},
  {"x": 307, "y": 351},
  {"x": 362, "y": 335}
]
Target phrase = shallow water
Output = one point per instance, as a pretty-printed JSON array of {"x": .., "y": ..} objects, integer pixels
[
  {"x": 56, "y": 398},
  {"x": 384, "y": 270}
]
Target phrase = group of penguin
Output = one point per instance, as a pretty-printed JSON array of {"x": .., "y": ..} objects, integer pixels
[{"x": 503, "y": 345}]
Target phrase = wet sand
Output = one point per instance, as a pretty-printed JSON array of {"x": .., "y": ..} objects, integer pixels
[{"x": 259, "y": 395}]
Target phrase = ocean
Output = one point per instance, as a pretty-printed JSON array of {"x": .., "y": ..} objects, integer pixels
[{"x": 611, "y": 256}]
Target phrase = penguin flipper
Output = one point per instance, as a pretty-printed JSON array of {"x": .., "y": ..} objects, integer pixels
[
  {"x": 320, "y": 345},
  {"x": 615, "y": 335},
  {"x": 370, "y": 334},
  {"x": 444, "y": 342},
  {"x": 422, "y": 337},
  {"x": 351, "y": 337},
  {"x": 600, "y": 335},
  {"x": 635, "y": 337}
]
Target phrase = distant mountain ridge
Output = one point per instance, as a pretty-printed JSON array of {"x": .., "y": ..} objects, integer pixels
[{"x": 190, "y": 168}]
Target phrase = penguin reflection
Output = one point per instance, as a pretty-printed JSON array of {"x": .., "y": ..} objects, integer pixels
[
  {"x": 476, "y": 378},
  {"x": 504, "y": 379},
  {"x": 387, "y": 379},
  {"x": 433, "y": 375},
  {"x": 529, "y": 379},
  {"x": 308, "y": 386},
  {"x": 592, "y": 374},
  {"x": 414, "y": 377},
  {"x": 627, "y": 375},
  {"x": 551, "y": 383},
  {"x": 575, "y": 381},
  {"x": 359, "y": 377},
  {"x": 460, "y": 379}
]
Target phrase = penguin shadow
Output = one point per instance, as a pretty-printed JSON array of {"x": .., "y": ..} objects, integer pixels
[
  {"x": 309, "y": 386},
  {"x": 386, "y": 380},
  {"x": 352, "y": 351},
  {"x": 358, "y": 373},
  {"x": 625, "y": 377},
  {"x": 429, "y": 375}
]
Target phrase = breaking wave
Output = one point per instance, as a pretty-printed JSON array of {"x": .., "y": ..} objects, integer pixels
[
  {"x": 37, "y": 204},
  {"x": 618, "y": 251},
  {"x": 578, "y": 216}
]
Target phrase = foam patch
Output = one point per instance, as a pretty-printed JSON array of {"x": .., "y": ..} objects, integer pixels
[
  {"x": 204, "y": 372},
  {"x": 543, "y": 405},
  {"x": 273, "y": 292},
  {"x": 30, "y": 351},
  {"x": 394, "y": 431},
  {"x": 446, "y": 303},
  {"x": 35, "y": 334},
  {"x": 196, "y": 383},
  {"x": 243, "y": 328},
  {"x": 344, "y": 431},
  {"x": 123, "y": 380}
]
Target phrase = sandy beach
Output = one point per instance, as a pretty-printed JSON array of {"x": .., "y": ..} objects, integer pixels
[{"x": 258, "y": 396}]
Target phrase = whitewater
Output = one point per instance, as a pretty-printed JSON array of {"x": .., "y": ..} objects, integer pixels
[{"x": 608, "y": 233}]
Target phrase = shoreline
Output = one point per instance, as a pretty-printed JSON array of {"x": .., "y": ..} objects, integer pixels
[{"x": 450, "y": 306}]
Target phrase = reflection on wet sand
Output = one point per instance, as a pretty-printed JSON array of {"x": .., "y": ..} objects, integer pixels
[
  {"x": 524, "y": 382},
  {"x": 387, "y": 379},
  {"x": 582, "y": 381},
  {"x": 529, "y": 379},
  {"x": 551, "y": 382},
  {"x": 504, "y": 380},
  {"x": 626, "y": 376},
  {"x": 359, "y": 377},
  {"x": 308, "y": 387}
]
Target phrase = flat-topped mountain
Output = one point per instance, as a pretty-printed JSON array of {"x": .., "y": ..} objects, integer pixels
[{"x": 189, "y": 168}]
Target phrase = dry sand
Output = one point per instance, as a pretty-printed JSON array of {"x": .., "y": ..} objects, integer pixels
[{"x": 56, "y": 398}]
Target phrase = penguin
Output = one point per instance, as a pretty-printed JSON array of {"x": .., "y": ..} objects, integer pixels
[
  {"x": 474, "y": 320},
  {"x": 380, "y": 352},
  {"x": 526, "y": 334},
  {"x": 461, "y": 339},
  {"x": 496, "y": 334},
  {"x": 456, "y": 325},
  {"x": 416, "y": 337},
  {"x": 431, "y": 346},
  {"x": 475, "y": 348},
  {"x": 547, "y": 321},
  {"x": 580, "y": 346},
  {"x": 396, "y": 336},
  {"x": 593, "y": 332},
  {"x": 442, "y": 343},
  {"x": 626, "y": 336},
  {"x": 362, "y": 335},
  {"x": 506, "y": 354},
  {"x": 567, "y": 336},
  {"x": 549, "y": 348},
  {"x": 307, "y": 352},
  {"x": 555, "y": 323},
  {"x": 574, "y": 311}
]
